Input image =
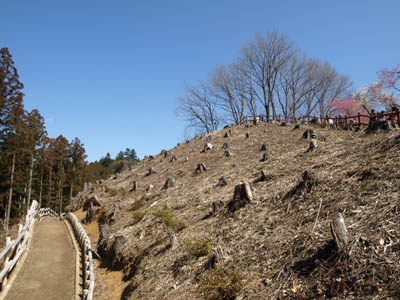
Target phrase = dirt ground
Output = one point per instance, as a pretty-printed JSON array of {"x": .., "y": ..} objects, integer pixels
[{"x": 48, "y": 272}]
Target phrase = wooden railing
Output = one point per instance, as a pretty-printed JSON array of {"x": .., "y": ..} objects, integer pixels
[
  {"x": 13, "y": 250},
  {"x": 87, "y": 257},
  {"x": 356, "y": 120}
]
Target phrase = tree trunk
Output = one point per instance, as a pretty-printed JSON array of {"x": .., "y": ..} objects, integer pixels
[
  {"x": 49, "y": 204},
  {"x": 41, "y": 189},
  {"x": 10, "y": 196},
  {"x": 60, "y": 194},
  {"x": 30, "y": 182}
]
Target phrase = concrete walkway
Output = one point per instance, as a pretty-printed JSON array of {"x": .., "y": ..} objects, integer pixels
[{"x": 48, "y": 272}]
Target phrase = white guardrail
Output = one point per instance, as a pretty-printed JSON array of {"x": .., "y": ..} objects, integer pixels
[
  {"x": 87, "y": 257},
  {"x": 44, "y": 212},
  {"x": 13, "y": 250}
]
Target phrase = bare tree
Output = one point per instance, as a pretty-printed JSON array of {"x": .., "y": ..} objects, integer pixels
[
  {"x": 263, "y": 59},
  {"x": 199, "y": 108},
  {"x": 229, "y": 86}
]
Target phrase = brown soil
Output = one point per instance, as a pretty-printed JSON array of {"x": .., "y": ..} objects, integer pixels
[
  {"x": 48, "y": 272},
  {"x": 281, "y": 241}
]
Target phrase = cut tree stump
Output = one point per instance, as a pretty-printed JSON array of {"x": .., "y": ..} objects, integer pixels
[
  {"x": 242, "y": 195},
  {"x": 150, "y": 172},
  {"x": 264, "y": 177},
  {"x": 226, "y": 135},
  {"x": 308, "y": 134},
  {"x": 265, "y": 157},
  {"x": 134, "y": 187},
  {"x": 201, "y": 168},
  {"x": 173, "y": 240},
  {"x": 225, "y": 146},
  {"x": 264, "y": 147},
  {"x": 115, "y": 211},
  {"x": 222, "y": 182},
  {"x": 169, "y": 183},
  {"x": 339, "y": 232},
  {"x": 228, "y": 153},
  {"x": 173, "y": 158},
  {"x": 149, "y": 187},
  {"x": 297, "y": 126},
  {"x": 313, "y": 145},
  {"x": 207, "y": 147},
  {"x": 186, "y": 159},
  {"x": 247, "y": 135}
]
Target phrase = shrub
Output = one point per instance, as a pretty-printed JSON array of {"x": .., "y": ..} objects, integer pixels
[
  {"x": 221, "y": 284},
  {"x": 197, "y": 247},
  {"x": 167, "y": 217},
  {"x": 111, "y": 191},
  {"x": 137, "y": 215}
]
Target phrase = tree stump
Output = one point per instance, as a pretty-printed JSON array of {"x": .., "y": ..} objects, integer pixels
[
  {"x": 150, "y": 171},
  {"x": 149, "y": 187},
  {"x": 173, "y": 158},
  {"x": 201, "y": 168},
  {"x": 339, "y": 232},
  {"x": 264, "y": 147},
  {"x": 283, "y": 124},
  {"x": 134, "y": 187},
  {"x": 186, "y": 159},
  {"x": 265, "y": 157},
  {"x": 297, "y": 126},
  {"x": 242, "y": 195},
  {"x": 170, "y": 182},
  {"x": 228, "y": 153},
  {"x": 173, "y": 240},
  {"x": 115, "y": 211},
  {"x": 164, "y": 153},
  {"x": 207, "y": 147},
  {"x": 226, "y": 135},
  {"x": 225, "y": 146},
  {"x": 308, "y": 133},
  {"x": 222, "y": 182},
  {"x": 264, "y": 177},
  {"x": 313, "y": 145},
  {"x": 247, "y": 135}
]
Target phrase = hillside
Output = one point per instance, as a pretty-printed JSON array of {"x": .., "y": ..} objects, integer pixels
[{"x": 279, "y": 245}]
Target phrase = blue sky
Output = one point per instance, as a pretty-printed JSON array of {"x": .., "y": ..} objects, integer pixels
[{"x": 110, "y": 72}]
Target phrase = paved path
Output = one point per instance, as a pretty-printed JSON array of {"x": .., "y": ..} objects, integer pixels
[{"x": 48, "y": 272}]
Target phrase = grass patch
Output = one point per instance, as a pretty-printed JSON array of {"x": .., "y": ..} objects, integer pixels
[
  {"x": 138, "y": 215},
  {"x": 221, "y": 284},
  {"x": 197, "y": 247},
  {"x": 167, "y": 217}
]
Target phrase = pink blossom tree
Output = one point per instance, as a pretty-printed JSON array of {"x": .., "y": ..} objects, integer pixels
[
  {"x": 348, "y": 107},
  {"x": 390, "y": 78}
]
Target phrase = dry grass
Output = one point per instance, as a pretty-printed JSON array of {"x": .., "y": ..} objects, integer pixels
[{"x": 282, "y": 245}]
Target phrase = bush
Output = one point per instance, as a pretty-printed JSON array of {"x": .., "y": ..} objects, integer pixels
[
  {"x": 167, "y": 217},
  {"x": 221, "y": 284},
  {"x": 111, "y": 191},
  {"x": 137, "y": 215},
  {"x": 197, "y": 247}
]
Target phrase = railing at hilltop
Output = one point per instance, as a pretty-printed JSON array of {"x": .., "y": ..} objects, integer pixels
[
  {"x": 13, "y": 250},
  {"x": 87, "y": 257},
  {"x": 356, "y": 120}
]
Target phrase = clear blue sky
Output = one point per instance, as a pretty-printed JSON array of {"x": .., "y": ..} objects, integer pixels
[{"x": 110, "y": 72}]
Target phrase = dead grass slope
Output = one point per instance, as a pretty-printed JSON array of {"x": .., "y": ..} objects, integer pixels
[{"x": 281, "y": 242}]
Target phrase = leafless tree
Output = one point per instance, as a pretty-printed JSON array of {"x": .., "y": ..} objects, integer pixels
[
  {"x": 263, "y": 58},
  {"x": 230, "y": 87},
  {"x": 199, "y": 109}
]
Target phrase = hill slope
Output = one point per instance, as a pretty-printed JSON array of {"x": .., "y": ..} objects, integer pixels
[{"x": 278, "y": 246}]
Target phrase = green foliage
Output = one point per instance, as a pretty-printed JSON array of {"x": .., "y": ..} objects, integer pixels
[
  {"x": 221, "y": 284},
  {"x": 138, "y": 215},
  {"x": 167, "y": 217},
  {"x": 197, "y": 247},
  {"x": 111, "y": 191}
]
